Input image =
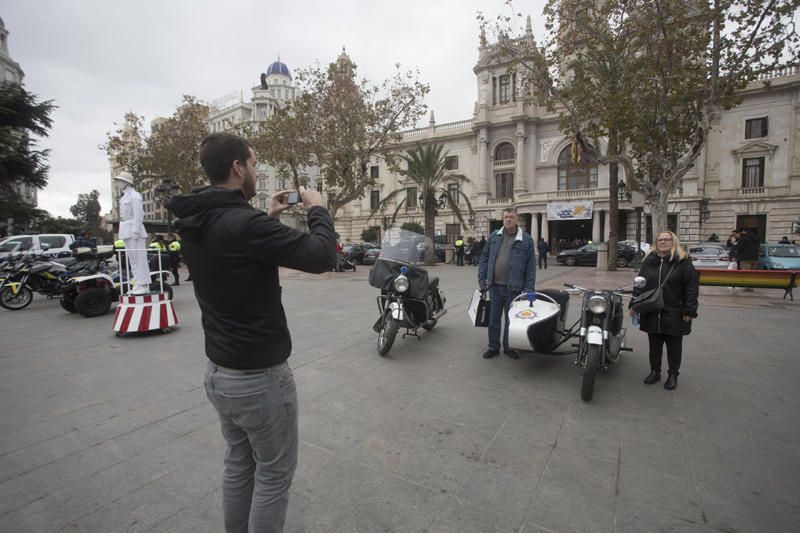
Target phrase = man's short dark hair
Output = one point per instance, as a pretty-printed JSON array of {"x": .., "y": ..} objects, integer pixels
[
  {"x": 218, "y": 151},
  {"x": 510, "y": 210}
]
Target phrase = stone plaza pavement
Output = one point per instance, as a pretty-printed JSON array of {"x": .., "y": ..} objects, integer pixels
[{"x": 107, "y": 434}]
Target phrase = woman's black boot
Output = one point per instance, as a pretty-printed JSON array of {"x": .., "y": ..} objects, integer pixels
[
  {"x": 672, "y": 381},
  {"x": 653, "y": 377}
]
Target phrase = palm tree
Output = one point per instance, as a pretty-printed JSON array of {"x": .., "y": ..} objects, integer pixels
[{"x": 428, "y": 177}]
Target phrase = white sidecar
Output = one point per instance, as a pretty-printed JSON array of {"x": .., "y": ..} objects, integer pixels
[{"x": 538, "y": 325}]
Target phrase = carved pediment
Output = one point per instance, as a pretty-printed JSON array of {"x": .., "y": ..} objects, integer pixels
[{"x": 755, "y": 148}]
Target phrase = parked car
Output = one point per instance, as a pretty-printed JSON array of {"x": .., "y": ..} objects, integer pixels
[
  {"x": 50, "y": 244},
  {"x": 354, "y": 253},
  {"x": 438, "y": 250},
  {"x": 645, "y": 247},
  {"x": 778, "y": 257},
  {"x": 709, "y": 255},
  {"x": 587, "y": 255},
  {"x": 371, "y": 255}
]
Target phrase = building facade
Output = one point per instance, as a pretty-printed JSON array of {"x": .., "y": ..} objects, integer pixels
[{"x": 514, "y": 154}]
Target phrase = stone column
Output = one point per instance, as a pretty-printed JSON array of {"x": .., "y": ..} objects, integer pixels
[
  {"x": 520, "y": 183},
  {"x": 535, "y": 227},
  {"x": 606, "y": 227},
  {"x": 483, "y": 164},
  {"x": 545, "y": 234},
  {"x": 595, "y": 225}
]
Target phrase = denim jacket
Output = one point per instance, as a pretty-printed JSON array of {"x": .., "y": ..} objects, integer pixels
[{"x": 521, "y": 265}]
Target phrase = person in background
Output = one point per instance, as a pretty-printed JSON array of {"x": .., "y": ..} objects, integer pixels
[
  {"x": 460, "y": 250},
  {"x": 174, "y": 249},
  {"x": 544, "y": 248},
  {"x": 668, "y": 263},
  {"x": 785, "y": 240}
]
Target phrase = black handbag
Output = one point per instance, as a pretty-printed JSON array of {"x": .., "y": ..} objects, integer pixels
[
  {"x": 482, "y": 313},
  {"x": 652, "y": 300}
]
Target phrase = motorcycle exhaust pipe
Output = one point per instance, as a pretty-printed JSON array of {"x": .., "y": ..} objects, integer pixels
[{"x": 440, "y": 314}]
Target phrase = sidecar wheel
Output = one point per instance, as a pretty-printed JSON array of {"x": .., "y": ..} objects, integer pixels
[
  {"x": 387, "y": 334},
  {"x": 590, "y": 372}
]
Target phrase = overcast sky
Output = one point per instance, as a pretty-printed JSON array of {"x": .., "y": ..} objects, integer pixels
[{"x": 98, "y": 59}]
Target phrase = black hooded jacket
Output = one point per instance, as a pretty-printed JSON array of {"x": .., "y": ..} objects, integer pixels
[
  {"x": 680, "y": 294},
  {"x": 233, "y": 252}
]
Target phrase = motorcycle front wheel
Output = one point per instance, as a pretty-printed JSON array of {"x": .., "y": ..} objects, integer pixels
[
  {"x": 590, "y": 371},
  {"x": 387, "y": 334},
  {"x": 15, "y": 302}
]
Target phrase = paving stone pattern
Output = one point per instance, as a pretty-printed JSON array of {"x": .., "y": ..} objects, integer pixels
[{"x": 107, "y": 434}]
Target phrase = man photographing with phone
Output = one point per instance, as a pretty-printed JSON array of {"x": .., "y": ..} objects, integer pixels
[{"x": 233, "y": 252}]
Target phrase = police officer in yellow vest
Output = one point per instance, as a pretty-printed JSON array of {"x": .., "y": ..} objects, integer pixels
[{"x": 460, "y": 251}]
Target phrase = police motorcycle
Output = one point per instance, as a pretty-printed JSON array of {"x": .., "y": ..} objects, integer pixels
[
  {"x": 537, "y": 321},
  {"x": 92, "y": 293},
  {"x": 22, "y": 276},
  {"x": 409, "y": 297}
]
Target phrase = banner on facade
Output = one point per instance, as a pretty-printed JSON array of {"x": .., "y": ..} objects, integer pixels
[{"x": 570, "y": 210}]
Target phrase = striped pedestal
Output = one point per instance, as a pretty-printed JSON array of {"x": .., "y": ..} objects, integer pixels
[{"x": 148, "y": 312}]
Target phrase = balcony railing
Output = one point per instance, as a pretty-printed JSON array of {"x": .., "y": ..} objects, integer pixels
[
  {"x": 504, "y": 163},
  {"x": 753, "y": 191},
  {"x": 465, "y": 125},
  {"x": 499, "y": 201},
  {"x": 788, "y": 70}
]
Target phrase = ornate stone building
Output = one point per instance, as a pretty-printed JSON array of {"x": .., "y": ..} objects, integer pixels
[{"x": 516, "y": 155}]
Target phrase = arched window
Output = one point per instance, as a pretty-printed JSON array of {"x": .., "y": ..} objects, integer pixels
[
  {"x": 504, "y": 152},
  {"x": 580, "y": 175}
]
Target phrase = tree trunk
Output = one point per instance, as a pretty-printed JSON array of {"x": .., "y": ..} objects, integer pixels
[
  {"x": 659, "y": 206},
  {"x": 613, "y": 202},
  {"x": 430, "y": 227}
]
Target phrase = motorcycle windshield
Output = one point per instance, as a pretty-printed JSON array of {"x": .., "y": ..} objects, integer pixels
[
  {"x": 401, "y": 248},
  {"x": 404, "y": 246}
]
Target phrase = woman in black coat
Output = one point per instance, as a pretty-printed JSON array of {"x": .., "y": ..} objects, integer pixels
[{"x": 668, "y": 326}]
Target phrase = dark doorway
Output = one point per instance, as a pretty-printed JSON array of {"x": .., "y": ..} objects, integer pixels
[
  {"x": 495, "y": 225},
  {"x": 570, "y": 230},
  {"x": 525, "y": 220},
  {"x": 755, "y": 223}
]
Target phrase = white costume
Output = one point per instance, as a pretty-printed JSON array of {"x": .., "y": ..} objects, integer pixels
[{"x": 133, "y": 232}]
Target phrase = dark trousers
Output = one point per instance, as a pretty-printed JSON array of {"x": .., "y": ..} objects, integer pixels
[
  {"x": 674, "y": 350},
  {"x": 501, "y": 302},
  {"x": 542, "y": 260},
  {"x": 460, "y": 258}
]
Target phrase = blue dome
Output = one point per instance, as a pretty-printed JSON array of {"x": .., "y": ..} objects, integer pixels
[{"x": 279, "y": 68}]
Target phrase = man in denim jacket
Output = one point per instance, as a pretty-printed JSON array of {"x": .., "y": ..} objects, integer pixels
[{"x": 507, "y": 268}]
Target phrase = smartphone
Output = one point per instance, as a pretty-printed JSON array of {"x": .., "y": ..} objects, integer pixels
[{"x": 293, "y": 198}]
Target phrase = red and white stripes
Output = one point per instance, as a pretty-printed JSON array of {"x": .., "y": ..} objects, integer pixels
[{"x": 144, "y": 313}]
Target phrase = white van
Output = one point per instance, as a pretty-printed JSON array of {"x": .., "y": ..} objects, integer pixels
[{"x": 57, "y": 244}]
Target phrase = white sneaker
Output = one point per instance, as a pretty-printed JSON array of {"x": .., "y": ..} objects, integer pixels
[{"x": 139, "y": 291}]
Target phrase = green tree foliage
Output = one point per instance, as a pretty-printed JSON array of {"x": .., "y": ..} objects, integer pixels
[
  {"x": 369, "y": 234},
  {"x": 654, "y": 73},
  {"x": 340, "y": 124},
  {"x": 87, "y": 209},
  {"x": 22, "y": 117},
  {"x": 413, "y": 227},
  {"x": 171, "y": 150},
  {"x": 427, "y": 175}
]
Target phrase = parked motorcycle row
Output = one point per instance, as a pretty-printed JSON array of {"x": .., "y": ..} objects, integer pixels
[
  {"x": 86, "y": 284},
  {"x": 411, "y": 299}
]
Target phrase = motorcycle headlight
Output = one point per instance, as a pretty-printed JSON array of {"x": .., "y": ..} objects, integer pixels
[
  {"x": 401, "y": 284},
  {"x": 597, "y": 304}
]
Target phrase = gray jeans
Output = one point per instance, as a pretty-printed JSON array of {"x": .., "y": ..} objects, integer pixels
[{"x": 258, "y": 415}]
